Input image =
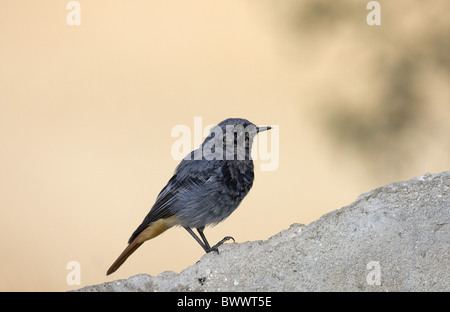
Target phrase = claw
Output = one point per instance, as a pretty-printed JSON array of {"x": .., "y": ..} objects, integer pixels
[
  {"x": 227, "y": 238},
  {"x": 216, "y": 246}
]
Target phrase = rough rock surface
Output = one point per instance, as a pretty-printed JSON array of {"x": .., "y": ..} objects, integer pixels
[{"x": 394, "y": 238}]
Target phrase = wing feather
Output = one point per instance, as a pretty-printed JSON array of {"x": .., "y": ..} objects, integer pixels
[{"x": 177, "y": 185}]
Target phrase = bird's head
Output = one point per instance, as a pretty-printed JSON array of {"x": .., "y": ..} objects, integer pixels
[{"x": 235, "y": 138}]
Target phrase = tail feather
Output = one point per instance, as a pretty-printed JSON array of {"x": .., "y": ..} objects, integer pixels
[
  {"x": 147, "y": 232},
  {"x": 124, "y": 256}
]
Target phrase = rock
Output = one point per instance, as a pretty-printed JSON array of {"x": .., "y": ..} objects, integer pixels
[{"x": 394, "y": 238}]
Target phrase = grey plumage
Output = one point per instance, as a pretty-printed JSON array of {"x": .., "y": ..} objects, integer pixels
[{"x": 207, "y": 186}]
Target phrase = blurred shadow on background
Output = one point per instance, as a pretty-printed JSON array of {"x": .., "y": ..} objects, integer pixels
[{"x": 380, "y": 127}]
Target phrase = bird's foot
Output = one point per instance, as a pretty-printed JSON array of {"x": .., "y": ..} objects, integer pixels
[{"x": 216, "y": 246}]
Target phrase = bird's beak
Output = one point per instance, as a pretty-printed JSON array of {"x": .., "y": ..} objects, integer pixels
[{"x": 261, "y": 129}]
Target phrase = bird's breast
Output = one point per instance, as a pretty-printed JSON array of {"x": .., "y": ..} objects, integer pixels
[{"x": 238, "y": 176}]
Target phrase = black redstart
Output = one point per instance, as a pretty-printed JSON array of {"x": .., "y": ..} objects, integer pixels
[{"x": 207, "y": 186}]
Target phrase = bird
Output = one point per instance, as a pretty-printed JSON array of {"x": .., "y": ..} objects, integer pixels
[{"x": 206, "y": 187}]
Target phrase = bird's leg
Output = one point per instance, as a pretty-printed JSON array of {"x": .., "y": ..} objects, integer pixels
[
  {"x": 204, "y": 246},
  {"x": 202, "y": 235},
  {"x": 216, "y": 246},
  {"x": 204, "y": 242}
]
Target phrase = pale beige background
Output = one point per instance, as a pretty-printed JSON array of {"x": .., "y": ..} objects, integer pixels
[{"x": 86, "y": 114}]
